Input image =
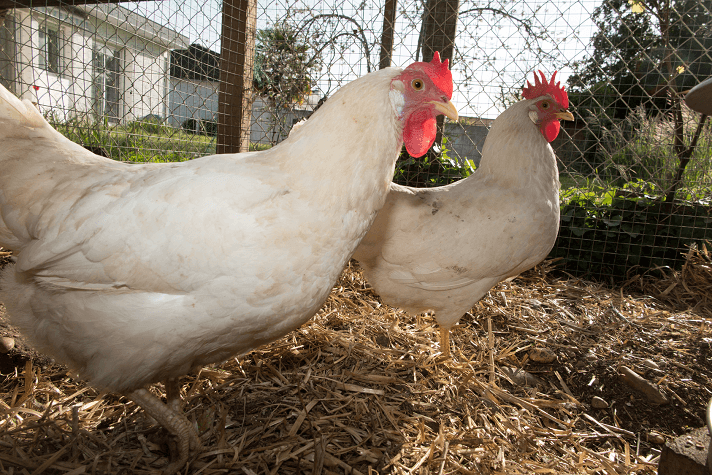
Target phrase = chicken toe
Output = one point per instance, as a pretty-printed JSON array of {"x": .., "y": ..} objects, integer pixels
[{"x": 174, "y": 422}]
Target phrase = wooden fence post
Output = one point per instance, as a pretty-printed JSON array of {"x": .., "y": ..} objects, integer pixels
[
  {"x": 438, "y": 34},
  {"x": 239, "y": 22},
  {"x": 389, "y": 20}
]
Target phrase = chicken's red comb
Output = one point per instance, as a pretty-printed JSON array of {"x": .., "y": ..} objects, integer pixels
[
  {"x": 542, "y": 87},
  {"x": 438, "y": 72}
]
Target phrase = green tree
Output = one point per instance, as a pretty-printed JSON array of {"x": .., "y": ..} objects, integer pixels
[
  {"x": 645, "y": 53},
  {"x": 283, "y": 66},
  {"x": 283, "y": 70}
]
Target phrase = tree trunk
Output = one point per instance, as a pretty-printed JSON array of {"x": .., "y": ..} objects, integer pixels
[
  {"x": 438, "y": 34},
  {"x": 389, "y": 19},
  {"x": 684, "y": 156},
  {"x": 439, "y": 28},
  {"x": 239, "y": 22}
]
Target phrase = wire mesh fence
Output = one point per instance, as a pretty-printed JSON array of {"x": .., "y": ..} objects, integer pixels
[{"x": 148, "y": 81}]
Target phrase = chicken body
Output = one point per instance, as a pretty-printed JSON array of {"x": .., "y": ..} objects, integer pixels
[
  {"x": 132, "y": 274},
  {"x": 444, "y": 248}
]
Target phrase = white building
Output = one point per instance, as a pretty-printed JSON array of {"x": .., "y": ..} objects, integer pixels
[
  {"x": 95, "y": 61},
  {"x": 194, "y": 83},
  {"x": 193, "y": 101}
]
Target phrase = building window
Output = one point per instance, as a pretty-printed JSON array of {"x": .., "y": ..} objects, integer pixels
[
  {"x": 49, "y": 54},
  {"x": 107, "y": 82}
]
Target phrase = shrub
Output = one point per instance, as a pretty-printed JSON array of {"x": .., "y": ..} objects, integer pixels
[{"x": 628, "y": 230}]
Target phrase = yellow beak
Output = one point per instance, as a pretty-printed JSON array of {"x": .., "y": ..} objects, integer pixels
[
  {"x": 448, "y": 108},
  {"x": 564, "y": 115}
]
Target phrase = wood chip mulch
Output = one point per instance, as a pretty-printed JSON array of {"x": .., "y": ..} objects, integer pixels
[{"x": 537, "y": 384}]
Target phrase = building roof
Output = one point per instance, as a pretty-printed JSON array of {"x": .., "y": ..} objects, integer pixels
[
  {"x": 196, "y": 62},
  {"x": 132, "y": 22}
]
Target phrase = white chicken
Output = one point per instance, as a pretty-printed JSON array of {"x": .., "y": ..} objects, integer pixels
[
  {"x": 444, "y": 248},
  {"x": 132, "y": 274}
]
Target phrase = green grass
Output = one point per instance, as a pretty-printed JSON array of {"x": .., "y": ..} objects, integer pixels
[
  {"x": 137, "y": 141},
  {"x": 141, "y": 141}
]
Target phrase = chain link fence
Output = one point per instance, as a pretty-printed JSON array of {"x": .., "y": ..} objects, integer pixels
[{"x": 141, "y": 81}]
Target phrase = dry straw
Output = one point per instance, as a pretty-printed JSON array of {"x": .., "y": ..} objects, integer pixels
[{"x": 362, "y": 389}]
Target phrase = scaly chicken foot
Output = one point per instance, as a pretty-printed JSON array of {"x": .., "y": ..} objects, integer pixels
[
  {"x": 174, "y": 422},
  {"x": 174, "y": 402}
]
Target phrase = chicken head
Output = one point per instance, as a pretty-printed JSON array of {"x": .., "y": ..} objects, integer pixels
[
  {"x": 423, "y": 91},
  {"x": 551, "y": 108}
]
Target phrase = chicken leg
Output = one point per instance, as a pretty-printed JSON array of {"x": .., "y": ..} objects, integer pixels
[
  {"x": 445, "y": 341},
  {"x": 173, "y": 400},
  {"x": 174, "y": 422}
]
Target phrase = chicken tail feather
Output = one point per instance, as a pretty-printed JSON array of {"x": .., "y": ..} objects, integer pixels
[
  {"x": 15, "y": 112},
  {"x": 37, "y": 163}
]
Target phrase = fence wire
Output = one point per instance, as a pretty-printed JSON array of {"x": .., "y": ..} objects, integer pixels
[{"x": 140, "y": 81}]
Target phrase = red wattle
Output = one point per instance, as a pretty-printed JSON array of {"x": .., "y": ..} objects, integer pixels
[
  {"x": 550, "y": 130},
  {"x": 419, "y": 133}
]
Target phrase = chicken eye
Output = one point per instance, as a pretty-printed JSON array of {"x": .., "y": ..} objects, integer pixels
[
  {"x": 417, "y": 84},
  {"x": 545, "y": 105}
]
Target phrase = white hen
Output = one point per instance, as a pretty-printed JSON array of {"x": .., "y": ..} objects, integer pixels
[
  {"x": 132, "y": 274},
  {"x": 444, "y": 248}
]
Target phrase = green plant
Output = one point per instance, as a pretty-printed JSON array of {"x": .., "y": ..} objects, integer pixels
[
  {"x": 645, "y": 55},
  {"x": 451, "y": 166},
  {"x": 427, "y": 171},
  {"x": 642, "y": 147},
  {"x": 608, "y": 235}
]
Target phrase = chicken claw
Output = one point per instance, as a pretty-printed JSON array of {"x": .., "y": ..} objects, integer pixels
[{"x": 175, "y": 422}]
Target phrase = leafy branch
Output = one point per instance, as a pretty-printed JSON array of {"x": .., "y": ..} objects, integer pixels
[{"x": 355, "y": 33}]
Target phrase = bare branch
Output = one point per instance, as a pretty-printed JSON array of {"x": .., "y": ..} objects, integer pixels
[
  {"x": 527, "y": 26},
  {"x": 358, "y": 33},
  {"x": 685, "y": 156}
]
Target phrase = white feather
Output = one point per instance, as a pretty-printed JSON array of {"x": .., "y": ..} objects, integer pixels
[
  {"x": 442, "y": 249},
  {"x": 138, "y": 273}
]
